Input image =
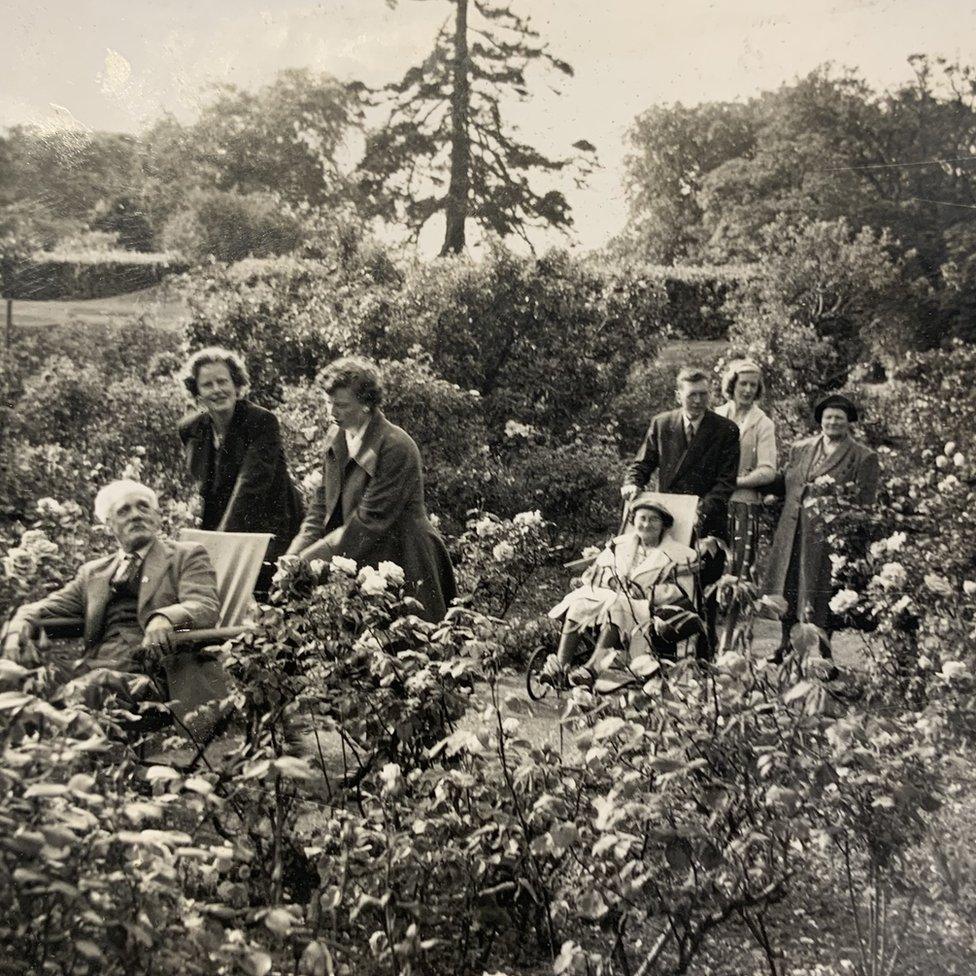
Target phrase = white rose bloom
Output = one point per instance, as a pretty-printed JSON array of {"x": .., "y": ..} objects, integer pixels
[
  {"x": 896, "y": 541},
  {"x": 486, "y": 527},
  {"x": 969, "y": 587},
  {"x": 49, "y": 507},
  {"x": 528, "y": 519},
  {"x": 312, "y": 480},
  {"x": 503, "y": 551},
  {"x": 843, "y": 601},
  {"x": 938, "y": 584},
  {"x": 942, "y": 462},
  {"x": 371, "y": 582},
  {"x": 958, "y": 459},
  {"x": 954, "y": 669},
  {"x": 316, "y": 566},
  {"x": 343, "y": 564},
  {"x": 392, "y": 778},
  {"x": 392, "y": 572},
  {"x": 949, "y": 448},
  {"x": 892, "y": 576}
]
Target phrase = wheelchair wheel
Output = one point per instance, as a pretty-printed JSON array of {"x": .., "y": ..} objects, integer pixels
[{"x": 536, "y": 686}]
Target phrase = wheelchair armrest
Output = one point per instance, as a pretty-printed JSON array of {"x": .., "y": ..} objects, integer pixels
[
  {"x": 59, "y": 628},
  {"x": 194, "y": 640}
]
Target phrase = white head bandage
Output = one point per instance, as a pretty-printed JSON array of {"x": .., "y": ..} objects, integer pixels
[{"x": 114, "y": 491}]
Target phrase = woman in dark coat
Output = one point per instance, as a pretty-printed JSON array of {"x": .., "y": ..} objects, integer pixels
[
  {"x": 370, "y": 505},
  {"x": 235, "y": 455},
  {"x": 799, "y": 560}
]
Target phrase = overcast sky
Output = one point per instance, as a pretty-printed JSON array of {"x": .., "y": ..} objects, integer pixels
[{"x": 118, "y": 64}]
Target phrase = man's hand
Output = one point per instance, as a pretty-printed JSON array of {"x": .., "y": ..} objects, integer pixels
[
  {"x": 158, "y": 634},
  {"x": 628, "y": 491},
  {"x": 17, "y": 643}
]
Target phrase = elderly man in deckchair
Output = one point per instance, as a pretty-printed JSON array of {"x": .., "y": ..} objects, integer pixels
[{"x": 133, "y": 600}]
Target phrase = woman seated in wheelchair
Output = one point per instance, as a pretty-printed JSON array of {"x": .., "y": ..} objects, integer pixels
[{"x": 631, "y": 594}]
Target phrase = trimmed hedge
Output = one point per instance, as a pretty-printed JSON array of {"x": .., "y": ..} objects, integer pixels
[
  {"x": 695, "y": 296},
  {"x": 83, "y": 277}
]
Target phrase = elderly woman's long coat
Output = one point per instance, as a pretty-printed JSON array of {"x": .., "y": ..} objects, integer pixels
[
  {"x": 801, "y": 533},
  {"x": 370, "y": 507}
]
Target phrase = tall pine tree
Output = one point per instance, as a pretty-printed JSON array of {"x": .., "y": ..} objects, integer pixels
[{"x": 446, "y": 146}]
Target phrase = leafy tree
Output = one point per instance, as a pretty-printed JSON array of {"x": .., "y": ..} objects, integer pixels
[
  {"x": 231, "y": 226},
  {"x": 672, "y": 150},
  {"x": 66, "y": 174},
  {"x": 823, "y": 297},
  {"x": 446, "y": 128},
  {"x": 823, "y": 148},
  {"x": 284, "y": 138}
]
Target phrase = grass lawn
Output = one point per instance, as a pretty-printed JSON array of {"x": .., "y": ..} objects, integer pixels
[{"x": 163, "y": 311}]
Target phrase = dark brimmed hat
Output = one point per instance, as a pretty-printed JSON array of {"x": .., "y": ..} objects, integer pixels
[
  {"x": 839, "y": 401},
  {"x": 649, "y": 501}
]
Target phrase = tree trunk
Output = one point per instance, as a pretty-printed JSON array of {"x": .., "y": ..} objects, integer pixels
[{"x": 457, "y": 194}]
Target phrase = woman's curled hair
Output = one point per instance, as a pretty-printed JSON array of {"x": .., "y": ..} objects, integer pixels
[{"x": 209, "y": 356}]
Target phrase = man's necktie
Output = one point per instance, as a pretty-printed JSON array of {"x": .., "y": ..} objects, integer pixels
[{"x": 127, "y": 573}]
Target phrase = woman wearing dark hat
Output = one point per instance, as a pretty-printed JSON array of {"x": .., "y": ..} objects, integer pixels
[
  {"x": 742, "y": 386},
  {"x": 799, "y": 564},
  {"x": 631, "y": 577}
]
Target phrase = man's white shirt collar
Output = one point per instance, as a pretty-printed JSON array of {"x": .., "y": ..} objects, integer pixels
[{"x": 124, "y": 558}]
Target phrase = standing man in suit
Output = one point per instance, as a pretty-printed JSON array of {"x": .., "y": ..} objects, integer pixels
[
  {"x": 694, "y": 452},
  {"x": 133, "y": 600}
]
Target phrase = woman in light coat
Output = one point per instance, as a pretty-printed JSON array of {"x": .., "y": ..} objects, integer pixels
[
  {"x": 631, "y": 593},
  {"x": 742, "y": 386}
]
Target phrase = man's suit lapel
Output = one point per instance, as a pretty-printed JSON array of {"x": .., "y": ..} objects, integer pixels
[
  {"x": 154, "y": 569},
  {"x": 97, "y": 594},
  {"x": 672, "y": 451},
  {"x": 693, "y": 452}
]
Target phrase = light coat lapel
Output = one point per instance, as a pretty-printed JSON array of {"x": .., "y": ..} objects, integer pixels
[{"x": 367, "y": 455}]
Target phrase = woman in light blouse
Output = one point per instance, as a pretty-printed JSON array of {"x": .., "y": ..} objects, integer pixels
[{"x": 742, "y": 386}]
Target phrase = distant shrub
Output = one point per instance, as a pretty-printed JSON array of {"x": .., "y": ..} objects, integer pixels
[
  {"x": 230, "y": 226},
  {"x": 100, "y": 426},
  {"x": 695, "y": 296},
  {"x": 545, "y": 340}
]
